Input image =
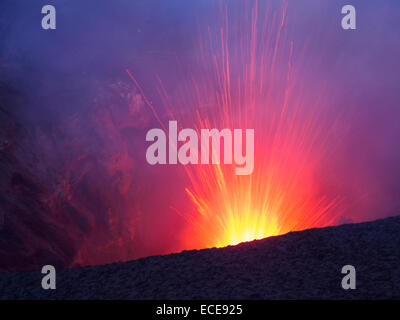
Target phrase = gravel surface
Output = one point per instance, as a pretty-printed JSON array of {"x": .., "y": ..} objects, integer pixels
[{"x": 297, "y": 265}]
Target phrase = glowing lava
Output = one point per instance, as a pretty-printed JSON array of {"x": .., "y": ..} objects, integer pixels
[{"x": 251, "y": 76}]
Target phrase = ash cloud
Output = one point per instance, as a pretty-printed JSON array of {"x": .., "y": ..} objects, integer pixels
[{"x": 73, "y": 124}]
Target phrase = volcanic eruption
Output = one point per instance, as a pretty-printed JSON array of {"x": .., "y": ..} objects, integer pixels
[
  {"x": 250, "y": 77},
  {"x": 75, "y": 187}
]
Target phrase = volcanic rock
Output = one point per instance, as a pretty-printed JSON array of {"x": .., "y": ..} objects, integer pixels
[{"x": 298, "y": 265}]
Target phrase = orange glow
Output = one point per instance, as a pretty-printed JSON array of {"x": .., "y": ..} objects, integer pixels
[{"x": 256, "y": 83}]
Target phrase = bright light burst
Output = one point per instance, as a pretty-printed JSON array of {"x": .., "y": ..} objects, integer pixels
[{"x": 251, "y": 76}]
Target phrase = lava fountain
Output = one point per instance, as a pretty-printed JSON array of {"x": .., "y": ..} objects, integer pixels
[{"x": 249, "y": 74}]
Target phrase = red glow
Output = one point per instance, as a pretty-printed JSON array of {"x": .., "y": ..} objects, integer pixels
[{"x": 255, "y": 85}]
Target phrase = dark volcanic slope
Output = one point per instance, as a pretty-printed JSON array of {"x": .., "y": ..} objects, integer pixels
[{"x": 298, "y": 265}]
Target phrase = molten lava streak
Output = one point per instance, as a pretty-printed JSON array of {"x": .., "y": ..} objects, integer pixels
[{"x": 251, "y": 76}]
